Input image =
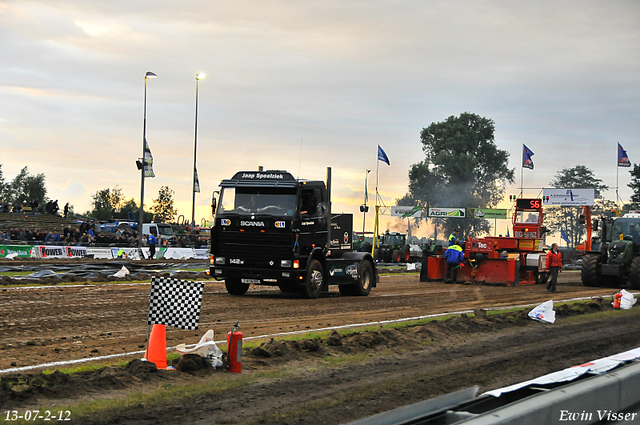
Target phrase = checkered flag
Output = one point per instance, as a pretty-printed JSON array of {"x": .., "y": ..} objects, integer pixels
[{"x": 174, "y": 302}]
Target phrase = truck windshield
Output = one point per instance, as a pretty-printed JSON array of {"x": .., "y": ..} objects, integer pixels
[
  {"x": 257, "y": 200},
  {"x": 165, "y": 230},
  {"x": 527, "y": 216}
]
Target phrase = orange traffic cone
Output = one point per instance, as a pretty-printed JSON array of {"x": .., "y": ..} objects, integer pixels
[{"x": 157, "y": 346}]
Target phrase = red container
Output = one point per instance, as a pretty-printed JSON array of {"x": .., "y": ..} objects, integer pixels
[{"x": 234, "y": 351}]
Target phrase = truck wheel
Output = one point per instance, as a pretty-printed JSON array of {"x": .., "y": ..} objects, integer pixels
[
  {"x": 235, "y": 286},
  {"x": 395, "y": 257},
  {"x": 590, "y": 272},
  {"x": 634, "y": 273},
  {"x": 313, "y": 282},
  {"x": 363, "y": 287},
  {"x": 542, "y": 278},
  {"x": 407, "y": 254}
]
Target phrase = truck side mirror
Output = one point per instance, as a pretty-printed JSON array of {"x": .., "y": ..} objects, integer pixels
[{"x": 214, "y": 203}]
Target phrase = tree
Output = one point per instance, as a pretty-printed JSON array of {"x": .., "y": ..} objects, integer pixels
[
  {"x": 461, "y": 168},
  {"x": 4, "y": 189},
  {"x": 163, "y": 206},
  {"x": 106, "y": 203},
  {"x": 26, "y": 187},
  {"x": 635, "y": 185},
  {"x": 566, "y": 217}
]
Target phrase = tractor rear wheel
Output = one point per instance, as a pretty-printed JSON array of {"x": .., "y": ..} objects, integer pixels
[
  {"x": 365, "y": 281},
  {"x": 396, "y": 257},
  {"x": 634, "y": 273},
  {"x": 407, "y": 254},
  {"x": 590, "y": 272},
  {"x": 313, "y": 283},
  {"x": 235, "y": 286}
]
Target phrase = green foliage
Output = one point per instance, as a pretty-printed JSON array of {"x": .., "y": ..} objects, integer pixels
[
  {"x": 461, "y": 168},
  {"x": 635, "y": 185},
  {"x": 106, "y": 202},
  {"x": 163, "y": 208},
  {"x": 561, "y": 217},
  {"x": 24, "y": 188}
]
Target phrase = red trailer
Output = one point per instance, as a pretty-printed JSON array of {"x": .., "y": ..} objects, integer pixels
[{"x": 517, "y": 260}]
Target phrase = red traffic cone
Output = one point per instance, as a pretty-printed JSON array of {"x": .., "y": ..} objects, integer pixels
[{"x": 157, "y": 347}]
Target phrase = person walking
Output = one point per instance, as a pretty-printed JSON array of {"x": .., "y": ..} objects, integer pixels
[
  {"x": 152, "y": 246},
  {"x": 454, "y": 256},
  {"x": 554, "y": 264}
]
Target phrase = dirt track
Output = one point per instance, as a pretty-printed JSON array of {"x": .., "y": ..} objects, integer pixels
[{"x": 53, "y": 324}]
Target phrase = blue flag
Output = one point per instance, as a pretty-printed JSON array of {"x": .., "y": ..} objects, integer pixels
[
  {"x": 564, "y": 236},
  {"x": 623, "y": 159},
  {"x": 382, "y": 156},
  {"x": 527, "y": 153}
]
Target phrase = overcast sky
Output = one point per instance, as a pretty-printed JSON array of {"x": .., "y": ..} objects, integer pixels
[{"x": 302, "y": 85}]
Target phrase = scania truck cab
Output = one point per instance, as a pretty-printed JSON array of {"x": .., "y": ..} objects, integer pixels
[{"x": 273, "y": 229}]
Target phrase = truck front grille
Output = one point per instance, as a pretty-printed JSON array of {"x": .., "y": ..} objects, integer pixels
[{"x": 255, "y": 249}]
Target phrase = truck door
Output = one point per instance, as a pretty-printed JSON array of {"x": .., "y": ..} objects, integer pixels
[{"x": 313, "y": 219}]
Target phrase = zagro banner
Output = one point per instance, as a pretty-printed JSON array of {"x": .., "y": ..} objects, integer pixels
[
  {"x": 52, "y": 251},
  {"x": 22, "y": 251},
  {"x": 568, "y": 196},
  {"x": 488, "y": 213},
  {"x": 447, "y": 213},
  {"x": 406, "y": 212}
]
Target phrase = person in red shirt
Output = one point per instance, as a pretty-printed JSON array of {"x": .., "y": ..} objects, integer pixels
[{"x": 554, "y": 264}]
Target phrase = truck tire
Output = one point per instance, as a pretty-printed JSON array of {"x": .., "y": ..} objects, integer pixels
[
  {"x": 407, "y": 254},
  {"x": 235, "y": 286},
  {"x": 313, "y": 283},
  {"x": 634, "y": 273},
  {"x": 543, "y": 278},
  {"x": 590, "y": 272},
  {"x": 396, "y": 257},
  {"x": 363, "y": 286}
]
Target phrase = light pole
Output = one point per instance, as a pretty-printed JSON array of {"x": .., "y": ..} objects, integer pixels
[
  {"x": 144, "y": 142},
  {"x": 199, "y": 76},
  {"x": 366, "y": 195}
]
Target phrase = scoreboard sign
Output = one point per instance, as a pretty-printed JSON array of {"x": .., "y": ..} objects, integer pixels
[{"x": 529, "y": 204}]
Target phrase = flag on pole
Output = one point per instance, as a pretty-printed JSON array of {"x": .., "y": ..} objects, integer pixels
[
  {"x": 564, "y": 236},
  {"x": 382, "y": 156},
  {"x": 196, "y": 182},
  {"x": 148, "y": 161},
  {"x": 527, "y": 153},
  {"x": 623, "y": 159}
]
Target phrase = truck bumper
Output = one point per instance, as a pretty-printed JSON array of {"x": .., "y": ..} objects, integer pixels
[{"x": 258, "y": 276}]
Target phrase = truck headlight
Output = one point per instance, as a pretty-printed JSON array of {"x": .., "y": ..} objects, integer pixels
[
  {"x": 285, "y": 263},
  {"x": 219, "y": 261}
]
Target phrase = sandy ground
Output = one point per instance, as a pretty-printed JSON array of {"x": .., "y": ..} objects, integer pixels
[{"x": 40, "y": 325}]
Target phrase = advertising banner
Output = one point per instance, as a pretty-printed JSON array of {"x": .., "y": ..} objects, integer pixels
[
  {"x": 447, "y": 213},
  {"x": 22, "y": 251},
  {"x": 488, "y": 213},
  {"x": 100, "y": 253},
  {"x": 568, "y": 196},
  {"x": 406, "y": 212},
  {"x": 53, "y": 251}
]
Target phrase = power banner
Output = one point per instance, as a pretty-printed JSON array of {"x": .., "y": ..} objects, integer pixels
[
  {"x": 406, "y": 212},
  {"x": 568, "y": 196},
  {"x": 488, "y": 213},
  {"x": 52, "y": 251},
  {"x": 22, "y": 251},
  {"x": 446, "y": 213}
]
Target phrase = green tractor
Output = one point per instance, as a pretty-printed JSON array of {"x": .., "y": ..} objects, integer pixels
[
  {"x": 614, "y": 256},
  {"x": 392, "y": 248}
]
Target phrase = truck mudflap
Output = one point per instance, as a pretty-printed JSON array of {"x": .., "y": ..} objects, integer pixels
[{"x": 346, "y": 269}]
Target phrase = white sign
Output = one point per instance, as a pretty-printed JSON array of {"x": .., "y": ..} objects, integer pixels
[
  {"x": 406, "y": 212},
  {"x": 568, "y": 196},
  {"x": 447, "y": 213}
]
